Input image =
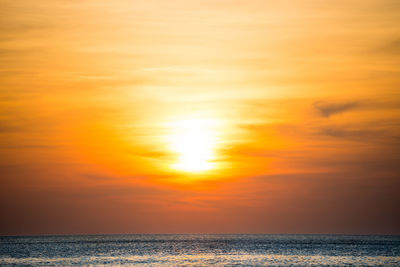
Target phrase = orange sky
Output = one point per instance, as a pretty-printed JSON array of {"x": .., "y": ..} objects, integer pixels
[{"x": 199, "y": 116}]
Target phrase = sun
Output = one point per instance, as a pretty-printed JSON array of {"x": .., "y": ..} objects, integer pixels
[{"x": 194, "y": 141}]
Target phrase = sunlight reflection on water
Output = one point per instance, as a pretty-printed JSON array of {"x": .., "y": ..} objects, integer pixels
[{"x": 211, "y": 259}]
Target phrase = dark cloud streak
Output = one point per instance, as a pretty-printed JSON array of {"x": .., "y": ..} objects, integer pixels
[{"x": 329, "y": 109}]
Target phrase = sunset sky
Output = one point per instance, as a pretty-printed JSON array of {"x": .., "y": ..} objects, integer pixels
[{"x": 199, "y": 116}]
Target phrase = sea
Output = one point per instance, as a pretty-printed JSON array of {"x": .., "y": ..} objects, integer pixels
[{"x": 201, "y": 250}]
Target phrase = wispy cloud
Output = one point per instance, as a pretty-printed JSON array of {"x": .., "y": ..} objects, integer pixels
[
  {"x": 392, "y": 47},
  {"x": 329, "y": 109}
]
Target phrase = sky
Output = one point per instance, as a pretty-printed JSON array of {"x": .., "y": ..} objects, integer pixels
[{"x": 199, "y": 116}]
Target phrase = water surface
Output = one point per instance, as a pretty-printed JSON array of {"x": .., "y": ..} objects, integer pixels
[{"x": 202, "y": 250}]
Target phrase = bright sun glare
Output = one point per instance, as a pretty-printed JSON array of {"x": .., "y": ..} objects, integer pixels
[{"x": 194, "y": 140}]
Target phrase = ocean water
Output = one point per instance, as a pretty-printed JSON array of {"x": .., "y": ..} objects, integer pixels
[{"x": 201, "y": 250}]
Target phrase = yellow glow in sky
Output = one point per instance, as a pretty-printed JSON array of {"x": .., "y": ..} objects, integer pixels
[{"x": 194, "y": 141}]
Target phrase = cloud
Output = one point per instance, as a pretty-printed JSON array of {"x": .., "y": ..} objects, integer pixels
[
  {"x": 350, "y": 133},
  {"x": 391, "y": 48},
  {"x": 11, "y": 128},
  {"x": 329, "y": 109}
]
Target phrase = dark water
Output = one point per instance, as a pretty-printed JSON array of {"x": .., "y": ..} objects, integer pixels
[{"x": 202, "y": 250}]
